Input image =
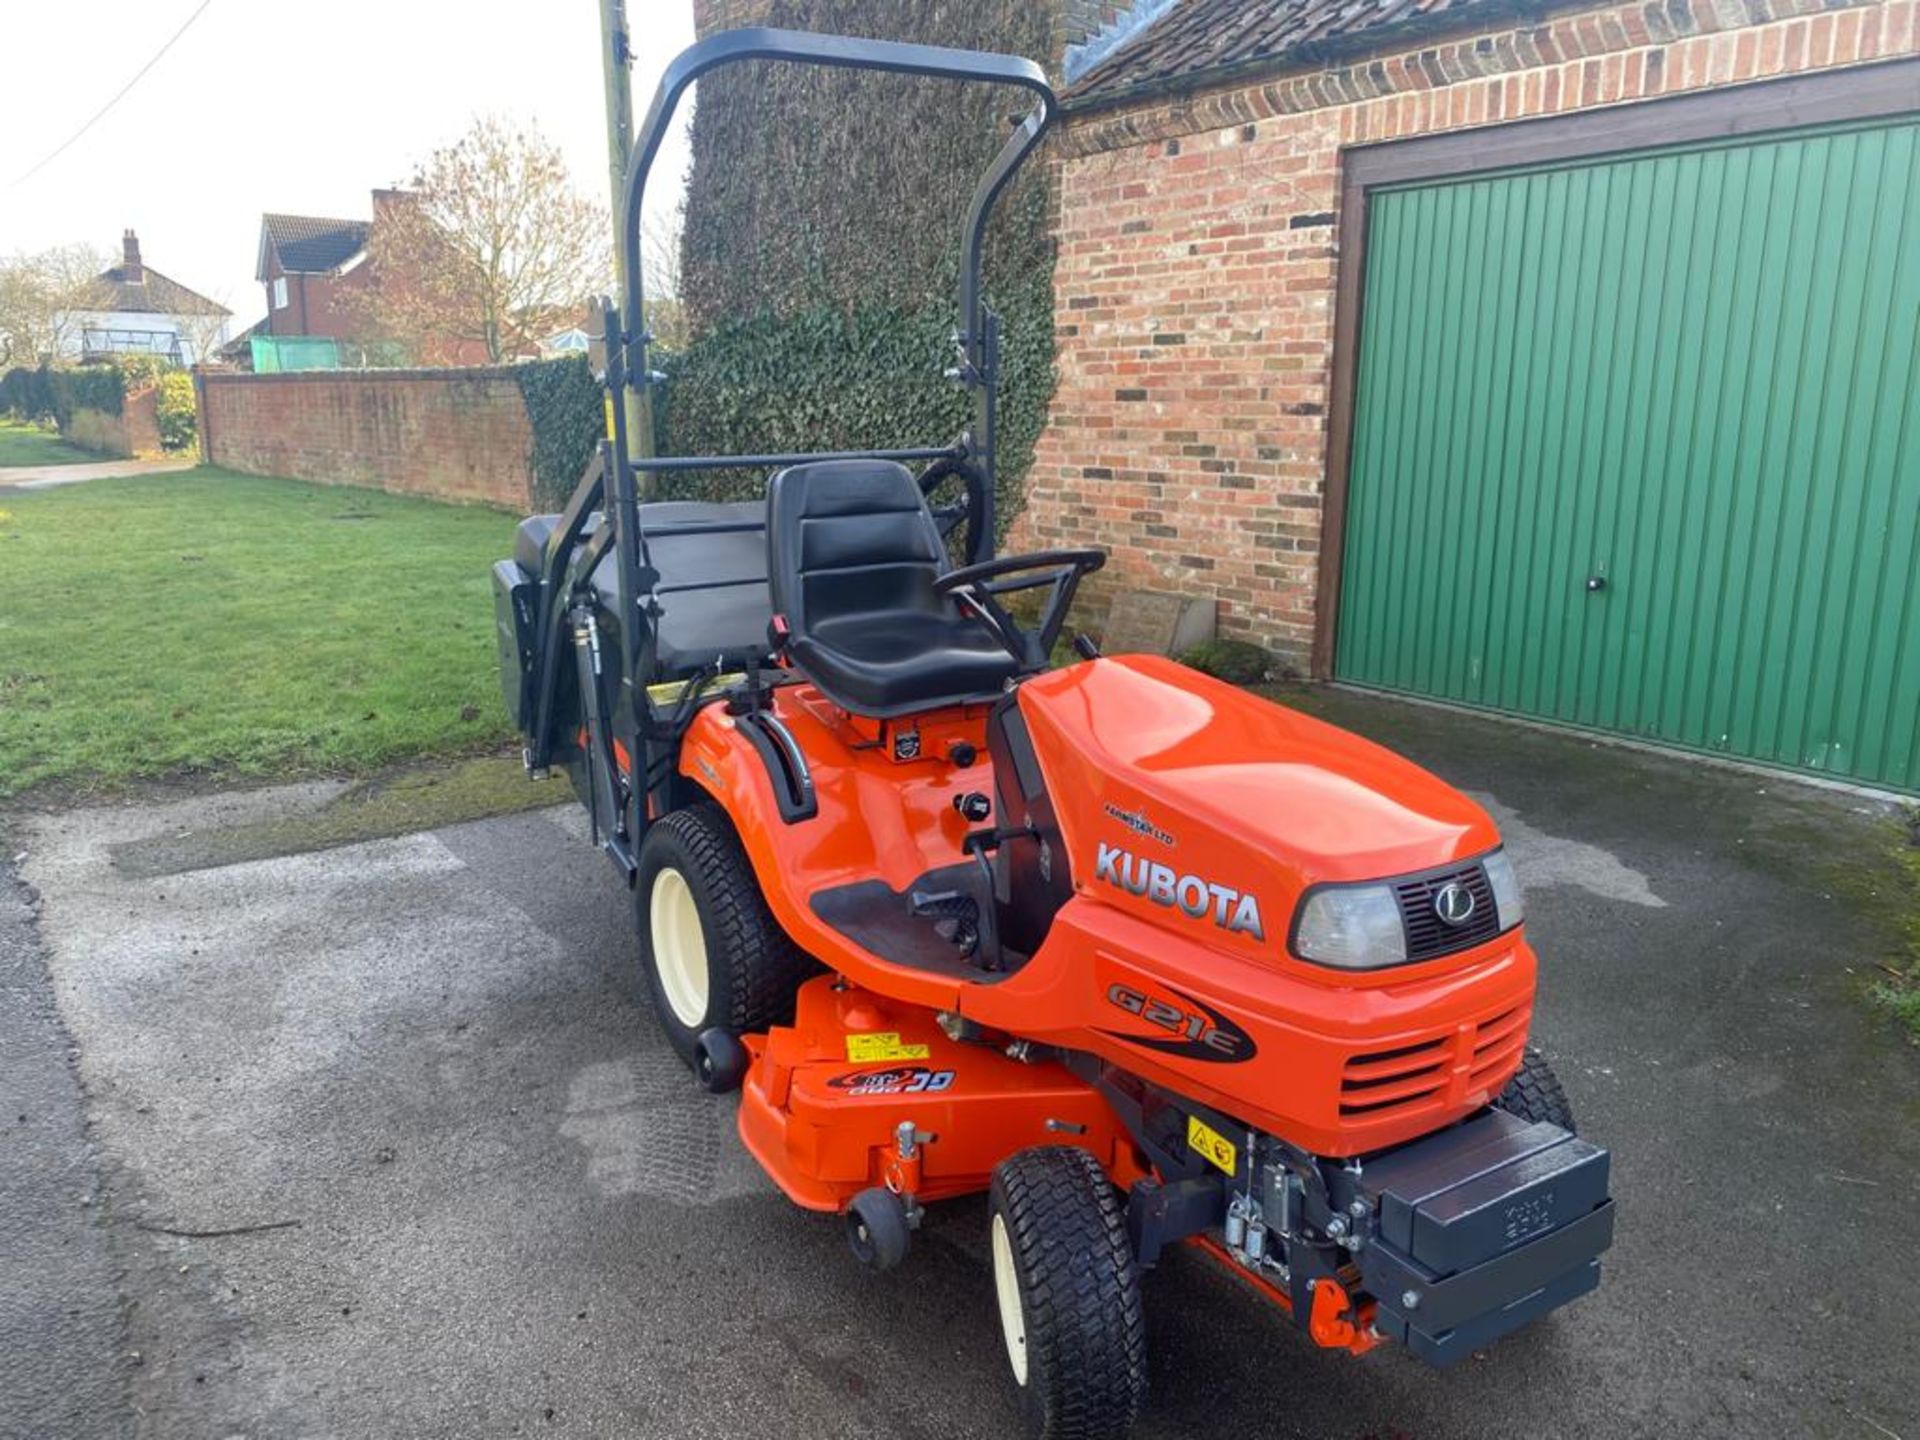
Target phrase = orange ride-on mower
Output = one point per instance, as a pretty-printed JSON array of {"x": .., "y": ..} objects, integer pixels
[{"x": 1144, "y": 958}]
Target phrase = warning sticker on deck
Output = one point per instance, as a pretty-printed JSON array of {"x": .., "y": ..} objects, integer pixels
[{"x": 883, "y": 1045}]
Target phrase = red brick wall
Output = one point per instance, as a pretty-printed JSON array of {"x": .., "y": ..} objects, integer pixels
[
  {"x": 453, "y": 435},
  {"x": 134, "y": 431},
  {"x": 1198, "y": 257}
]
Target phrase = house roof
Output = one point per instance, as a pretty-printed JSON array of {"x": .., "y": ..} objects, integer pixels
[
  {"x": 154, "y": 292},
  {"x": 1197, "y": 38},
  {"x": 310, "y": 244}
]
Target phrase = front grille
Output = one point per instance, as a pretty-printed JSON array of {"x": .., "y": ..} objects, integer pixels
[
  {"x": 1428, "y": 936},
  {"x": 1442, "y": 1069}
]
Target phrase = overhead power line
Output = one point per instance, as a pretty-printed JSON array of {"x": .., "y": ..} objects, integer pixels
[{"x": 118, "y": 95}]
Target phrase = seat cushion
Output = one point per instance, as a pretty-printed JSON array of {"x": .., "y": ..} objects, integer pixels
[
  {"x": 898, "y": 661},
  {"x": 853, "y": 556}
]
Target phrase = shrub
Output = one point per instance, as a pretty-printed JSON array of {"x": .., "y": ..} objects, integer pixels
[
  {"x": 93, "y": 387},
  {"x": 567, "y": 410},
  {"x": 26, "y": 394},
  {"x": 818, "y": 268},
  {"x": 175, "y": 412},
  {"x": 137, "y": 372},
  {"x": 1239, "y": 662}
]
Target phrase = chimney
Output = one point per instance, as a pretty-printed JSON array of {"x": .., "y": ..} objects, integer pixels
[
  {"x": 130, "y": 250},
  {"x": 387, "y": 202}
]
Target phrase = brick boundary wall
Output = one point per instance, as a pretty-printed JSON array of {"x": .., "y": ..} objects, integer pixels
[
  {"x": 1199, "y": 253},
  {"x": 134, "y": 431},
  {"x": 448, "y": 434}
]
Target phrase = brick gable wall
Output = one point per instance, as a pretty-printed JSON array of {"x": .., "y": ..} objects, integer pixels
[{"x": 1198, "y": 257}]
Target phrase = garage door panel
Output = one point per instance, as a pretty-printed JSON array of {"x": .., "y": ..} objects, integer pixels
[{"x": 1687, "y": 374}]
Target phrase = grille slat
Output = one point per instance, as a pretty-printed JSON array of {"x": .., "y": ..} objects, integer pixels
[
  {"x": 1378, "y": 1084},
  {"x": 1428, "y": 936}
]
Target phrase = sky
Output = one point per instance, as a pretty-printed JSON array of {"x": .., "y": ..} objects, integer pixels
[{"x": 301, "y": 109}]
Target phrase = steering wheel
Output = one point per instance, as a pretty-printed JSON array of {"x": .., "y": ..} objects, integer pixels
[
  {"x": 965, "y": 510},
  {"x": 978, "y": 586}
]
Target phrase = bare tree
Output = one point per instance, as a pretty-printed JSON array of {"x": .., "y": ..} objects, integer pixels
[
  {"x": 205, "y": 331},
  {"x": 44, "y": 298},
  {"x": 660, "y": 272},
  {"x": 491, "y": 248}
]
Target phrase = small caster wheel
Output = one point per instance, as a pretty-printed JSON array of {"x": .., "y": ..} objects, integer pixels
[
  {"x": 878, "y": 1229},
  {"x": 719, "y": 1061}
]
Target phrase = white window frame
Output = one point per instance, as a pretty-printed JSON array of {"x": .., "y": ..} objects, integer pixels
[{"x": 279, "y": 292}]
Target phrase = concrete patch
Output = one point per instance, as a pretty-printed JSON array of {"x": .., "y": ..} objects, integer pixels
[
  {"x": 514, "y": 1213},
  {"x": 649, "y": 1131},
  {"x": 46, "y": 477},
  {"x": 1543, "y": 860},
  {"x": 400, "y": 801}
]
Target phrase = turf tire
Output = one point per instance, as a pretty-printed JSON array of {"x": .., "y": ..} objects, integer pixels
[
  {"x": 1534, "y": 1093},
  {"x": 1085, "y": 1336},
  {"x": 752, "y": 967}
]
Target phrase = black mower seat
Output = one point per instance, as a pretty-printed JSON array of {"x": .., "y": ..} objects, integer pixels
[
  {"x": 712, "y": 560},
  {"x": 852, "y": 556}
]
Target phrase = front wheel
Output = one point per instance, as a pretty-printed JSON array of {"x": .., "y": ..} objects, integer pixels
[
  {"x": 713, "y": 955},
  {"x": 1534, "y": 1093},
  {"x": 1068, "y": 1295}
]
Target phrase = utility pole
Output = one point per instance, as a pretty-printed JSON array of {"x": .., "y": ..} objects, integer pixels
[{"x": 616, "y": 58}]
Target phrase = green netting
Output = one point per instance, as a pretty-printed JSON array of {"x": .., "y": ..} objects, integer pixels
[{"x": 280, "y": 354}]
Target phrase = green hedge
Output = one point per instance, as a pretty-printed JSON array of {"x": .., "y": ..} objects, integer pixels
[
  {"x": 26, "y": 393},
  {"x": 821, "y": 250},
  {"x": 829, "y": 378},
  {"x": 44, "y": 393},
  {"x": 567, "y": 409},
  {"x": 93, "y": 387}
]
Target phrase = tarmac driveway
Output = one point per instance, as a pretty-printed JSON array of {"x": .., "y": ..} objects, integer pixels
[{"x": 382, "y": 1141}]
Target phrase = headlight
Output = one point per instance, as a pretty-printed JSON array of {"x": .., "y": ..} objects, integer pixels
[
  {"x": 1354, "y": 927},
  {"x": 1506, "y": 889}
]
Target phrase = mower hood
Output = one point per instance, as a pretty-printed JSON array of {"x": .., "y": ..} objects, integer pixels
[{"x": 1153, "y": 763}]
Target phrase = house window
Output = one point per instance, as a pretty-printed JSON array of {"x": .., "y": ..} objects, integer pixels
[{"x": 280, "y": 292}]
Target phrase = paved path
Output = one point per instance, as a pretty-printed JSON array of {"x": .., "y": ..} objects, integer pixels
[
  {"x": 45, "y": 477},
  {"x": 502, "y": 1207}
]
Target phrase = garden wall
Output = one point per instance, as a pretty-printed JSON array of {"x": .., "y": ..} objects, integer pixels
[
  {"x": 449, "y": 434},
  {"x": 134, "y": 431}
]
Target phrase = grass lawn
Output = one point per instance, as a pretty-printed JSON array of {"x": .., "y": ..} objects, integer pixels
[
  {"x": 206, "y": 621},
  {"x": 35, "y": 445}
]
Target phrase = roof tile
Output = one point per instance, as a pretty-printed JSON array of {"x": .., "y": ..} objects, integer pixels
[
  {"x": 311, "y": 244},
  {"x": 1200, "y": 36}
]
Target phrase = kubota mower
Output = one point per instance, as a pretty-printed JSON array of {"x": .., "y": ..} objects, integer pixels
[{"x": 1146, "y": 959}]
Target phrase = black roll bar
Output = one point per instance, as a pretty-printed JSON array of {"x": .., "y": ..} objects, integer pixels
[
  {"x": 807, "y": 48},
  {"x": 610, "y": 482},
  {"x": 801, "y": 457}
]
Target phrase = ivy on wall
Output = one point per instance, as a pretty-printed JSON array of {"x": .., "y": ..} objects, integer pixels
[
  {"x": 566, "y": 409},
  {"x": 820, "y": 256}
]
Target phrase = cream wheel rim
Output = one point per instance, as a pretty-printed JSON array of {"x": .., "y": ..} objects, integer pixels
[
  {"x": 679, "y": 946},
  {"x": 1006, "y": 1286}
]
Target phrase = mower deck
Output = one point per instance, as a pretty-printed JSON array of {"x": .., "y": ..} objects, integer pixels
[{"x": 823, "y": 1105}]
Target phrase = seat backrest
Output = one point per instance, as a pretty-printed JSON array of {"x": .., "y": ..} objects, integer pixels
[{"x": 849, "y": 537}]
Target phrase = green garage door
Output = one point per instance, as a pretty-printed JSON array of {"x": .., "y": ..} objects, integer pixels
[{"x": 1636, "y": 447}]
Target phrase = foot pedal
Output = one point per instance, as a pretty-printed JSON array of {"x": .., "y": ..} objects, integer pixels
[{"x": 955, "y": 916}]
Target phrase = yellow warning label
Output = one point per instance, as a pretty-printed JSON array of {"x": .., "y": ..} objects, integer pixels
[
  {"x": 883, "y": 1045},
  {"x": 1210, "y": 1143}
]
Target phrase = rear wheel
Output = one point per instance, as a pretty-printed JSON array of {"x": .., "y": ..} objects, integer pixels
[
  {"x": 1068, "y": 1295},
  {"x": 1534, "y": 1093},
  {"x": 712, "y": 953}
]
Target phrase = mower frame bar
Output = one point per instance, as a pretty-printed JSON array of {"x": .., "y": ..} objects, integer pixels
[
  {"x": 611, "y": 483},
  {"x": 762, "y": 462}
]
